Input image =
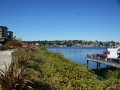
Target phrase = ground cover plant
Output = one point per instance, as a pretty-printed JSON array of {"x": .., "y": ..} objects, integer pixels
[{"x": 51, "y": 71}]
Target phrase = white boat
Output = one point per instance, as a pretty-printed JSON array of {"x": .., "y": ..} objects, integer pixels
[{"x": 114, "y": 53}]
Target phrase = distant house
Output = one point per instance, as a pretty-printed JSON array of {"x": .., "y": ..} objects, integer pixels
[
  {"x": 37, "y": 44},
  {"x": 5, "y": 35}
]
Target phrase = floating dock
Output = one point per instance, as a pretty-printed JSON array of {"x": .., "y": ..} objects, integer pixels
[{"x": 108, "y": 62}]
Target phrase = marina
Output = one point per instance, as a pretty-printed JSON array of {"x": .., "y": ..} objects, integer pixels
[{"x": 110, "y": 57}]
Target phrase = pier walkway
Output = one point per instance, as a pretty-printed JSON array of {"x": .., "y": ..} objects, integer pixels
[{"x": 109, "y": 62}]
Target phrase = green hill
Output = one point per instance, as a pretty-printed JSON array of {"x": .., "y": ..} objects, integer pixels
[{"x": 51, "y": 71}]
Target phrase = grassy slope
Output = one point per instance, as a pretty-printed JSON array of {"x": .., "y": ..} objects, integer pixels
[{"x": 51, "y": 71}]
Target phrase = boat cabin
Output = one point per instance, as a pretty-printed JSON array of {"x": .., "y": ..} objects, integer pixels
[{"x": 114, "y": 53}]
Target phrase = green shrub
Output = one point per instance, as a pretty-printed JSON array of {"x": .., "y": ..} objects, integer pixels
[{"x": 33, "y": 65}]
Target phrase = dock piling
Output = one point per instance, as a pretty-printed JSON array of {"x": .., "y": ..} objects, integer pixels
[
  {"x": 98, "y": 66},
  {"x": 87, "y": 63}
]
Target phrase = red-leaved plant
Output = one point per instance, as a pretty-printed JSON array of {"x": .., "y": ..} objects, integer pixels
[{"x": 29, "y": 47}]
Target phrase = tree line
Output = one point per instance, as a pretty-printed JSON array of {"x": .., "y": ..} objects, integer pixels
[{"x": 69, "y": 43}]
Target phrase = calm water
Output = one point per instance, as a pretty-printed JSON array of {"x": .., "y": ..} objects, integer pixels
[{"x": 78, "y": 54}]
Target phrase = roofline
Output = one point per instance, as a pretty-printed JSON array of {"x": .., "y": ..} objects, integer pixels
[{"x": 3, "y": 27}]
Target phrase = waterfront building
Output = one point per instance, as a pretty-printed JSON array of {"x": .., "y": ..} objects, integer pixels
[{"x": 5, "y": 35}]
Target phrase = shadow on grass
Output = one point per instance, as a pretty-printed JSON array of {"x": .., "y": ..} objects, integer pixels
[
  {"x": 102, "y": 73},
  {"x": 41, "y": 86}
]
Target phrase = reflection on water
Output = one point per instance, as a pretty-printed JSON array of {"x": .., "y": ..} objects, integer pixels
[{"x": 78, "y": 54}]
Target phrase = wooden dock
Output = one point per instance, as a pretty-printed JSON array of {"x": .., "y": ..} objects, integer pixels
[{"x": 109, "y": 62}]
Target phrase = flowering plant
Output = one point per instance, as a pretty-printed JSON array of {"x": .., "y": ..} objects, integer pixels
[
  {"x": 106, "y": 52},
  {"x": 29, "y": 47},
  {"x": 103, "y": 56}
]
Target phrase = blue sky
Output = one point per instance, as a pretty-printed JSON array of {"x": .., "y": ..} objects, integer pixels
[{"x": 62, "y": 19}]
